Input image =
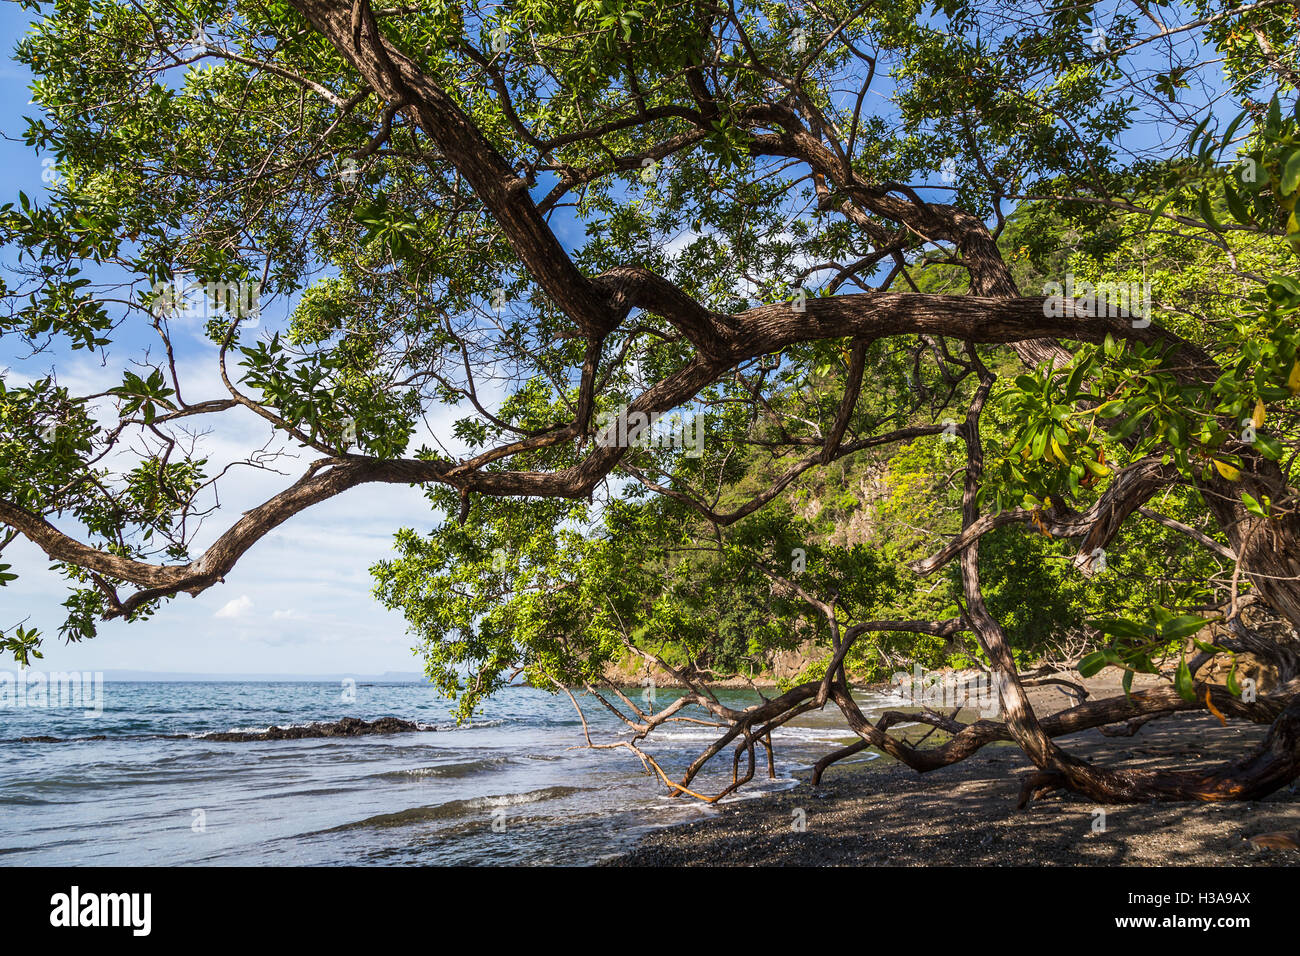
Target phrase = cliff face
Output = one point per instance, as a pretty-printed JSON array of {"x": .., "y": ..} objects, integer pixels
[
  {"x": 841, "y": 503},
  {"x": 844, "y": 505}
]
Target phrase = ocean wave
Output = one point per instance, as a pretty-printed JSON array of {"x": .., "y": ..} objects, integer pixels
[
  {"x": 423, "y": 726},
  {"x": 457, "y": 808},
  {"x": 464, "y": 769},
  {"x": 292, "y": 730},
  {"x": 98, "y": 738},
  {"x": 468, "y": 725}
]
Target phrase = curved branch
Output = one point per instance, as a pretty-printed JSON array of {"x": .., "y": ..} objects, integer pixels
[{"x": 1099, "y": 524}]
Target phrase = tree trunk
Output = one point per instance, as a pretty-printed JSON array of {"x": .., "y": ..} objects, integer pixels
[
  {"x": 1268, "y": 548},
  {"x": 1275, "y": 764}
]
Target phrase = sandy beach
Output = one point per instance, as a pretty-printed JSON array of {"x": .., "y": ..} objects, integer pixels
[{"x": 880, "y": 812}]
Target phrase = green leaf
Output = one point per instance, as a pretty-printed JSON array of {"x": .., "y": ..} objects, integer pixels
[
  {"x": 1207, "y": 210},
  {"x": 1120, "y": 628},
  {"x": 1092, "y": 663},
  {"x": 1182, "y": 626},
  {"x": 1291, "y": 173},
  {"x": 1183, "y": 682},
  {"x": 1200, "y": 127},
  {"x": 1236, "y": 206},
  {"x": 1269, "y": 446},
  {"x": 1155, "y": 213},
  {"x": 1234, "y": 688},
  {"x": 1233, "y": 126},
  {"x": 1076, "y": 380},
  {"x": 1253, "y": 506}
]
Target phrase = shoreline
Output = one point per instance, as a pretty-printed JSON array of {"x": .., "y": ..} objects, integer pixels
[{"x": 882, "y": 813}]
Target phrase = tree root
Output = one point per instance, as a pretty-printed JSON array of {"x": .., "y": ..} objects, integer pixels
[{"x": 1037, "y": 785}]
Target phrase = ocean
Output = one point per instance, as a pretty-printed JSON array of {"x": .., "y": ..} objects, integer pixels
[{"x": 516, "y": 785}]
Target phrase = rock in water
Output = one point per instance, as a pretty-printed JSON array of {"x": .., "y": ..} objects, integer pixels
[{"x": 347, "y": 727}]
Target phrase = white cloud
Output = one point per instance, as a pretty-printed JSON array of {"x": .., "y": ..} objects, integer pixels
[
  {"x": 299, "y": 601},
  {"x": 239, "y": 607}
]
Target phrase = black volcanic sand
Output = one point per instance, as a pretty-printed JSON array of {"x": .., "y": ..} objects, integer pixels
[{"x": 880, "y": 812}]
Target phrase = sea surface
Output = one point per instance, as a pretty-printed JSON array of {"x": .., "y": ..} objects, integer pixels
[{"x": 515, "y": 785}]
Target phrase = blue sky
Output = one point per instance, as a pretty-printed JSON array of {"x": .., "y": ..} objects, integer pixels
[{"x": 299, "y": 602}]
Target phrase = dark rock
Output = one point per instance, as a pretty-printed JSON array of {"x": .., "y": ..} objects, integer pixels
[{"x": 347, "y": 727}]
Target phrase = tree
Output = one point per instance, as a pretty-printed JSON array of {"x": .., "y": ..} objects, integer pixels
[{"x": 567, "y": 219}]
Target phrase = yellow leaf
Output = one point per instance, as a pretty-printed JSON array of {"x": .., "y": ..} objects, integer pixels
[
  {"x": 1209, "y": 705},
  {"x": 1096, "y": 468},
  {"x": 1227, "y": 471},
  {"x": 1060, "y": 455},
  {"x": 1293, "y": 380},
  {"x": 1258, "y": 417}
]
